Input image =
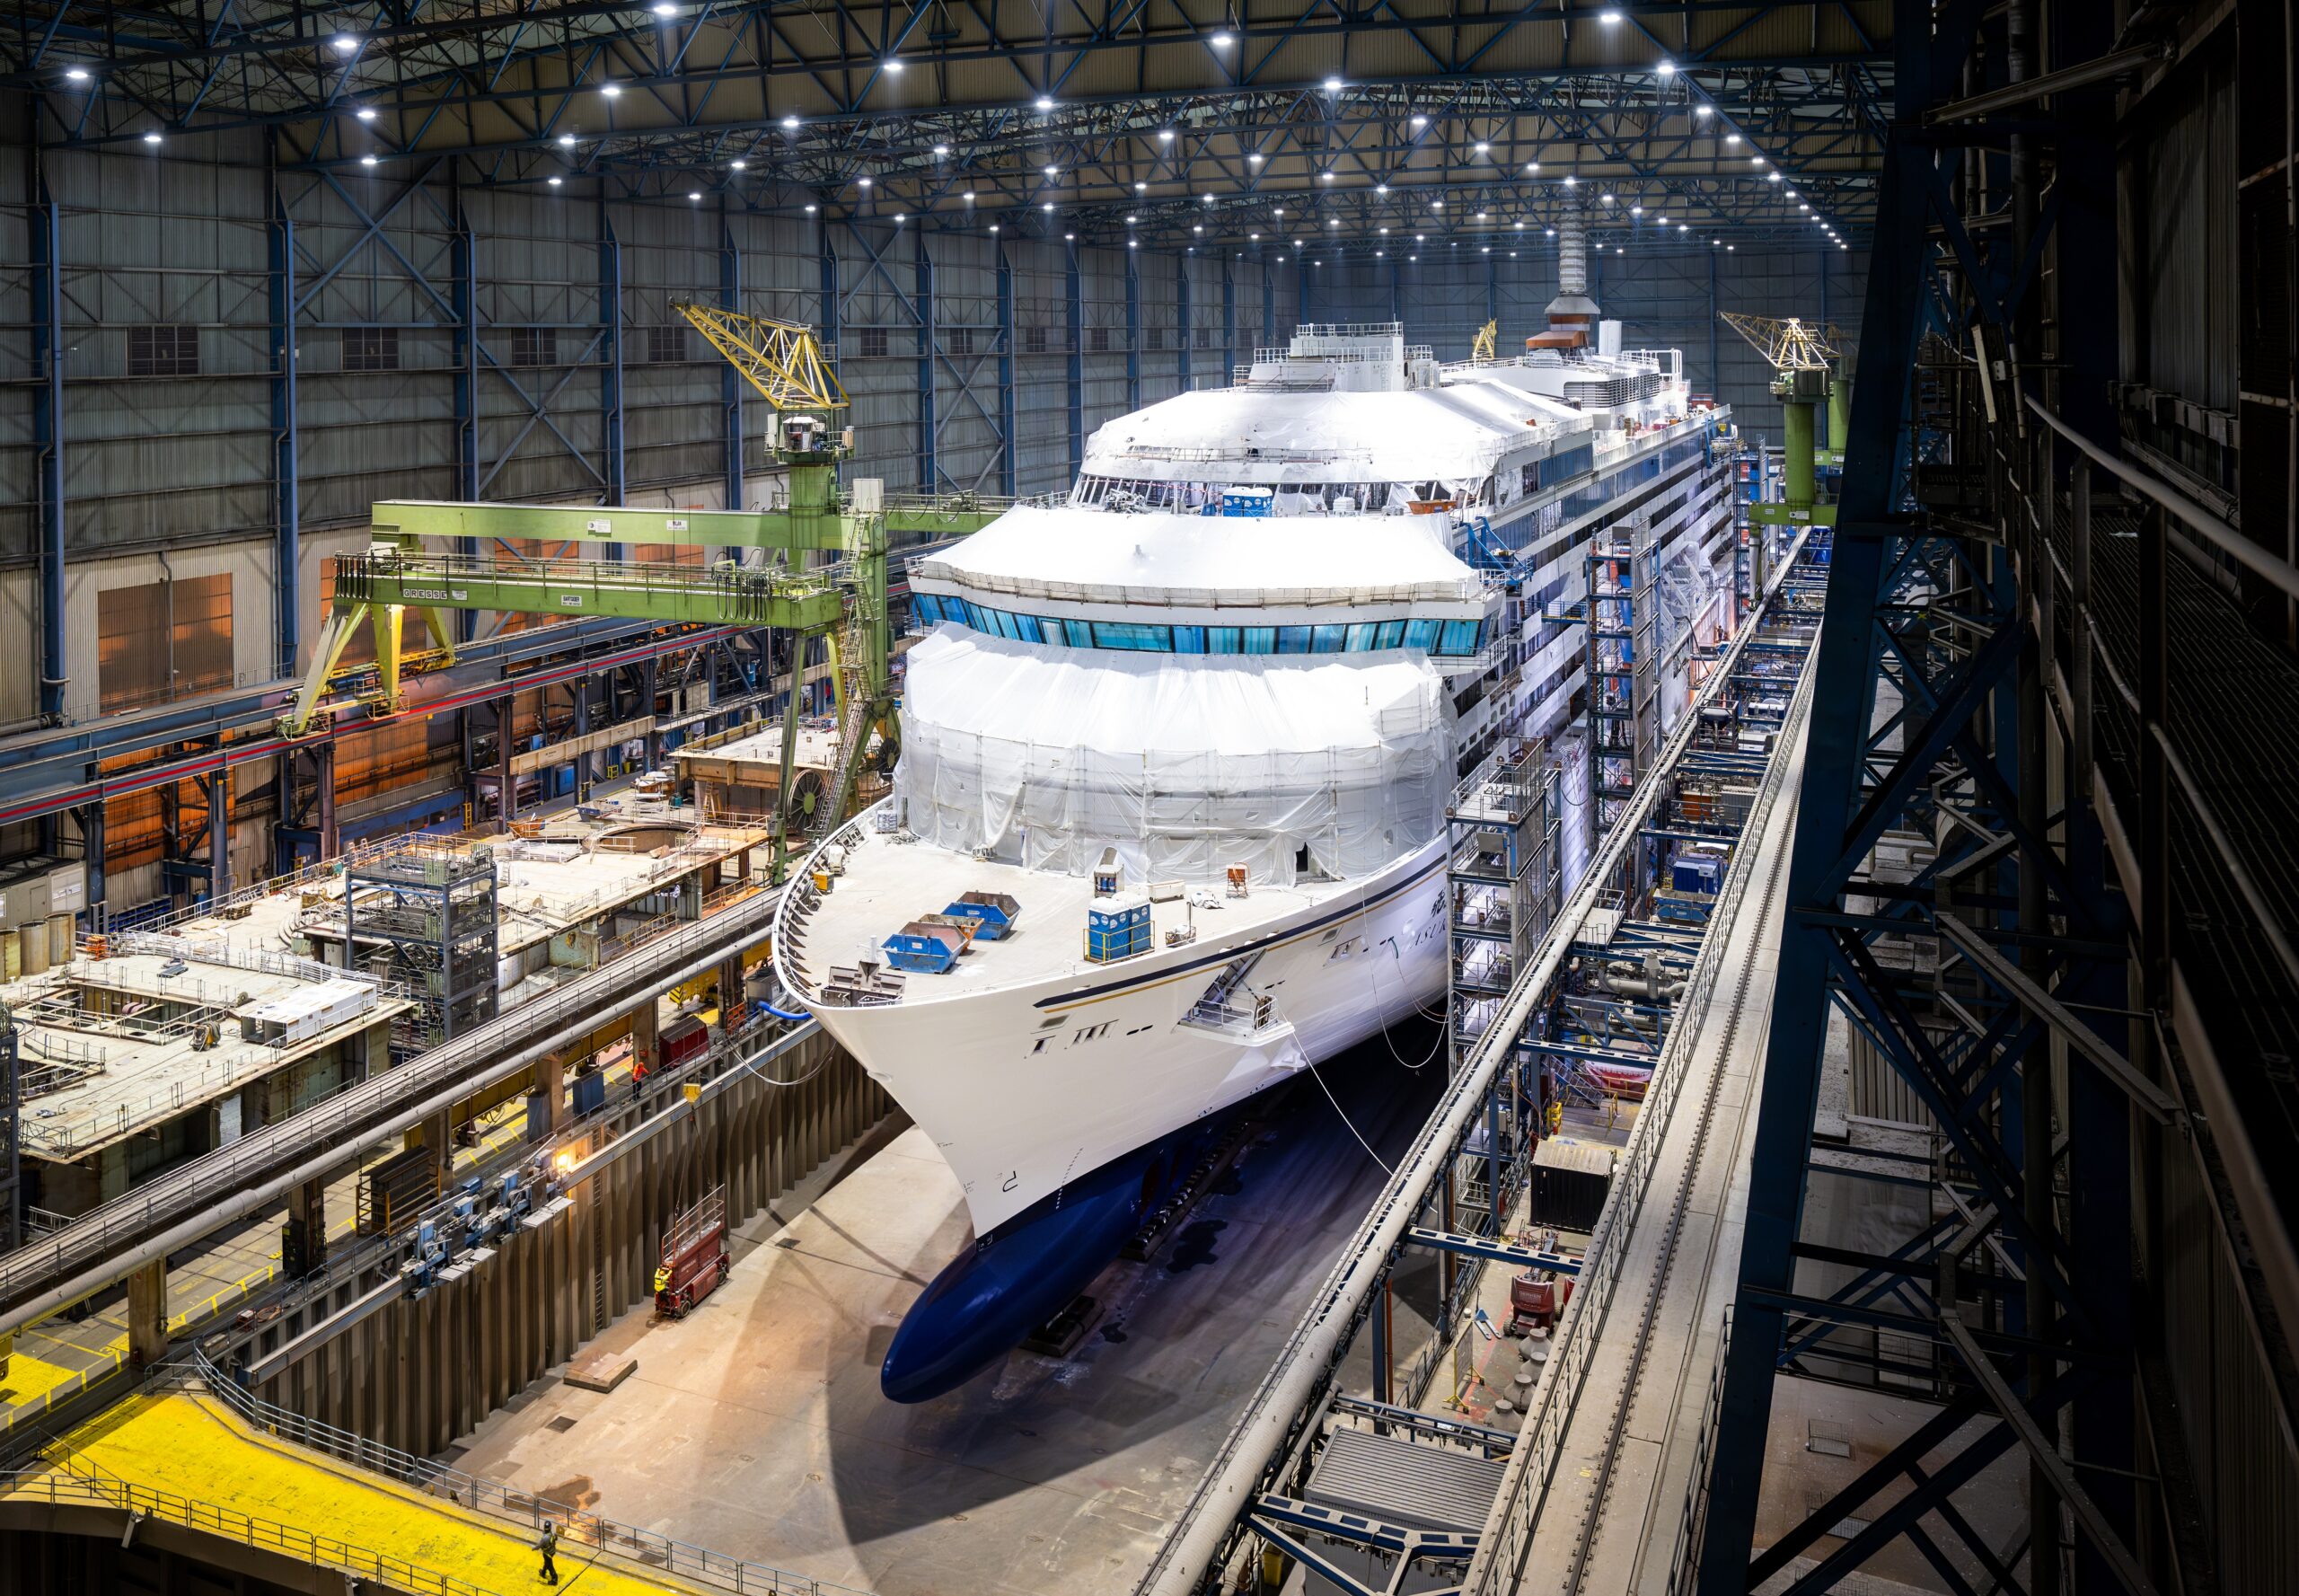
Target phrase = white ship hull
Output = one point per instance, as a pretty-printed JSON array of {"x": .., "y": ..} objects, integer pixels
[{"x": 1026, "y": 1087}]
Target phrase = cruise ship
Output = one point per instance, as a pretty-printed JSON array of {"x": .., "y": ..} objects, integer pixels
[{"x": 1169, "y": 825}]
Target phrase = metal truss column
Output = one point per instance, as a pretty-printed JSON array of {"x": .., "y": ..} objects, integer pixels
[
  {"x": 1301, "y": 310},
  {"x": 1839, "y": 730},
  {"x": 1133, "y": 329},
  {"x": 1186, "y": 334},
  {"x": 929, "y": 335},
  {"x": 1491, "y": 290},
  {"x": 730, "y": 382},
  {"x": 1715, "y": 355},
  {"x": 1074, "y": 309},
  {"x": 287, "y": 577},
  {"x": 48, "y": 422},
  {"x": 1268, "y": 305},
  {"x": 1397, "y": 292},
  {"x": 1008, "y": 424},
  {"x": 1228, "y": 323},
  {"x": 463, "y": 255},
  {"x": 610, "y": 366}
]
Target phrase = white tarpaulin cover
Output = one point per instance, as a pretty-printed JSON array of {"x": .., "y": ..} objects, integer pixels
[
  {"x": 1067, "y": 552},
  {"x": 1188, "y": 764}
]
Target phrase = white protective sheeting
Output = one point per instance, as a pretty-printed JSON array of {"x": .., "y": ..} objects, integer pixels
[
  {"x": 1086, "y": 555},
  {"x": 1187, "y": 764}
]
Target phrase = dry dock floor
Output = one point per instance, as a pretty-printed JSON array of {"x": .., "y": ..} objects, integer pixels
[{"x": 755, "y": 1426}]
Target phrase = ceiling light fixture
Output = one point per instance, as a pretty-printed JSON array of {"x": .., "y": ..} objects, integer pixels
[
  {"x": 1165, "y": 135},
  {"x": 1220, "y": 42},
  {"x": 611, "y": 90},
  {"x": 150, "y": 139},
  {"x": 1483, "y": 148},
  {"x": 891, "y": 66},
  {"x": 791, "y": 124},
  {"x": 1333, "y": 85},
  {"x": 345, "y": 44},
  {"x": 79, "y": 74},
  {"x": 739, "y": 165},
  {"x": 1046, "y": 102},
  {"x": 941, "y": 149},
  {"x": 366, "y": 113},
  {"x": 556, "y": 181},
  {"x": 366, "y": 160},
  {"x": 696, "y": 194},
  {"x": 567, "y": 141}
]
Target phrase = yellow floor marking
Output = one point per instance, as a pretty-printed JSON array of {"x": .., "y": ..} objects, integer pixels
[
  {"x": 195, "y": 1447},
  {"x": 29, "y": 1378}
]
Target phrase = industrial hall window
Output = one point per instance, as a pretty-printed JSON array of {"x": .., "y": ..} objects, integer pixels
[
  {"x": 535, "y": 346},
  {"x": 158, "y": 640},
  {"x": 1157, "y": 337},
  {"x": 371, "y": 348},
  {"x": 163, "y": 351},
  {"x": 1097, "y": 340},
  {"x": 667, "y": 346},
  {"x": 874, "y": 341},
  {"x": 959, "y": 340},
  {"x": 1034, "y": 340}
]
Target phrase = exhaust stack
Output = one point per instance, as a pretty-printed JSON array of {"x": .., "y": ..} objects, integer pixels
[{"x": 1572, "y": 314}]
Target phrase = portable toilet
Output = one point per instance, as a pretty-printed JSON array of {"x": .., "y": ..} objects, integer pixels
[
  {"x": 1247, "y": 501},
  {"x": 1109, "y": 875},
  {"x": 1117, "y": 928}
]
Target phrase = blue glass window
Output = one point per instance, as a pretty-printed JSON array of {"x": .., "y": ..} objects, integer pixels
[
  {"x": 976, "y": 619},
  {"x": 1222, "y": 639},
  {"x": 1260, "y": 639},
  {"x": 1005, "y": 627},
  {"x": 1421, "y": 634},
  {"x": 1189, "y": 639},
  {"x": 1361, "y": 636},
  {"x": 1392, "y": 635},
  {"x": 1028, "y": 626},
  {"x": 1133, "y": 635},
  {"x": 1457, "y": 638},
  {"x": 1292, "y": 639},
  {"x": 1328, "y": 640},
  {"x": 925, "y": 609},
  {"x": 1080, "y": 633}
]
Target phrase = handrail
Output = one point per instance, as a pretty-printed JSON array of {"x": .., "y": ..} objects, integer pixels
[{"x": 2221, "y": 536}]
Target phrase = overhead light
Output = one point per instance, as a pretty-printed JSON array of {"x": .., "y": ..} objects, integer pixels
[
  {"x": 1421, "y": 238},
  {"x": 1385, "y": 233},
  {"x": 1198, "y": 228},
  {"x": 1480, "y": 215},
  {"x": 1732, "y": 139},
  {"x": 611, "y": 90},
  {"x": 1730, "y": 248},
  {"x": 1046, "y": 102},
  {"x": 1571, "y": 181},
  {"x": 1436, "y": 205},
  {"x": 1220, "y": 41},
  {"x": 1415, "y": 259},
  {"x": 1488, "y": 248},
  {"x": 1255, "y": 158},
  {"x": 1141, "y": 188},
  {"x": 1132, "y": 243},
  {"x": 79, "y": 74},
  {"x": 993, "y": 226},
  {"x": 810, "y": 210},
  {"x": 941, "y": 149},
  {"x": 1793, "y": 195},
  {"x": 861, "y": 182},
  {"x": 556, "y": 181},
  {"x": 1552, "y": 232},
  {"x": 1380, "y": 188},
  {"x": 696, "y": 194},
  {"x": 150, "y": 139},
  {"x": 791, "y": 124},
  {"x": 1253, "y": 238},
  {"x": 1333, "y": 85},
  {"x": 1700, "y": 110},
  {"x": 1714, "y": 242},
  {"x": 366, "y": 113},
  {"x": 366, "y": 160},
  {"x": 1208, "y": 199},
  {"x": 1332, "y": 222},
  {"x": 345, "y": 44},
  {"x": 567, "y": 141},
  {"x": 1608, "y": 18},
  {"x": 1131, "y": 220},
  {"x": 1682, "y": 227},
  {"x": 1053, "y": 172},
  {"x": 891, "y": 66},
  {"x": 1483, "y": 148},
  {"x": 663, "y": 8},
  {"x": 900, "y": 218},
  {"x": 1520, "y": 226},
  {"x": 1165, "y": 135},
  {"x": 967, "y": 197},
  {"x": 1380, "y": 251},
  {"x": 1532, "y": 166},
  {"x": 1804, "y": 208},
  {"x": 1070, "y": 238},
  {"x": 1325, "y": 177},
  {"x": 1665, "y": 68},
  {"x": 1420, "y": 122},
  {"x": 1755, "y": 160},
  {"x": 1049, "y": 207},
  {"x": 739, "y": 165},
  {"x": 1297, "y": 243},
  {"x": 1635, "y": 210},
  {"x": 1608, "y": 199},
  {"x": 1771, "y": 177}
]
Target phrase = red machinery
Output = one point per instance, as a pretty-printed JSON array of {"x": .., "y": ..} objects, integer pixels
[
  {"x": 694, "y": 1256},
  {"x": 680, "y": 1041}
]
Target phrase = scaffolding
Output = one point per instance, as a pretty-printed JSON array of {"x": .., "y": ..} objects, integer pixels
[
  {"x": 1623, "y": 669},
  {"x": 12, "y": 1159},
  {"x": 422, "y": 913}
]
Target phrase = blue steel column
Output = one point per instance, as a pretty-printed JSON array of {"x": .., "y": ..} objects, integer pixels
[
  {"x": 286, "y": 507},
  {"x": 922, "y": 284},
  {"x": 1133, "y": 330},
  {"x": 1301, "y": 312},
  {"x": 1268, "y": 305},
  {"x": 730, "y": 385},
  {"x": 1397, "y": 291},
  {"x": 48, "y": 422},
  {"x": 829, "y": 324},
  {"x": 463, "y": 267},
  {"x": 611, "y": 363},
  {"x": 1075, "y": 309},
  {"x": 1491, "y": 291},
  {"x": 1834, "y": 738},
  {"x": 1715, "y": 366},
  {"x": 1228, "y": 323},
  {"x": 1008, "y": 426},
  {"x": 1181, "y": 321}
]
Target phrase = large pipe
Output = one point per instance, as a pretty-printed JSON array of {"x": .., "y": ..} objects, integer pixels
[{"x": 1266, "y": 1429}]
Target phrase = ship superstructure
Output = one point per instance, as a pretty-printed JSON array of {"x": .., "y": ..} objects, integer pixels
[{"x": 1169, "y": 822}]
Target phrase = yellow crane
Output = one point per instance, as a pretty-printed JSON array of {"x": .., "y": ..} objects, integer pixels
[
  {"x": 1788, "y": 344},
  {"x": 1480, "y": 351},
  {"x": 783, "y": 360},
  {"x": 1807, "y": 356}
]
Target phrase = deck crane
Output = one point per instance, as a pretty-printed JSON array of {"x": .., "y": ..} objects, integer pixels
[
  {"x": 407, "y": 566},
  {"x": 1487, "y": 337},
  {"x": 1805, "y": 357}
]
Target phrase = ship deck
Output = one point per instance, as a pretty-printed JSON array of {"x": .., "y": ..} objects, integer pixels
[{"x": 891, "y": 879}]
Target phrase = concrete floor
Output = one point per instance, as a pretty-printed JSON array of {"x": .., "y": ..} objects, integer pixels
[{"x": 755, "y": 1426}]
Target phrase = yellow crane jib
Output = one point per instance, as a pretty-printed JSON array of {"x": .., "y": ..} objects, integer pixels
[
  {"x": 1786, "y": 343},
  {"x": 783, "y": 360},
  {"x": 1487, "y": 337}
]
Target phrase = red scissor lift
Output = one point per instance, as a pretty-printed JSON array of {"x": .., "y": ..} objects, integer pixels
[{"x": 694, "y": 1256}]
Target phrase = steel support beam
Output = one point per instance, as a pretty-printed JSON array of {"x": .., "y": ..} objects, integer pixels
[
  {"x": 610, "y": 415},
  {"x": 1074, "y": 314},
  {"x": 929, "y": 338},
  {"x": 1133, "y": 330},
  {"x": 288, "y": 562},
  {"x": 730, "y": 381},
  {"x": 1184, "y": 333},
  {"x": 48, "y": 429},
  {"x": 1229, "y": 322},
  {"x": 1268, "y": 305},
  {"x": 1008, "y": 424}
]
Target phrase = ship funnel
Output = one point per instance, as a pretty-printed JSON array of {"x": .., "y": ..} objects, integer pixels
[{"x": 1571, "y": 313}]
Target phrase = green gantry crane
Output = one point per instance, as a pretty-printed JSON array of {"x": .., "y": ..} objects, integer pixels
[
  {"x": 1807, "y": 360},
  {"x": 842, "y": 599}
]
